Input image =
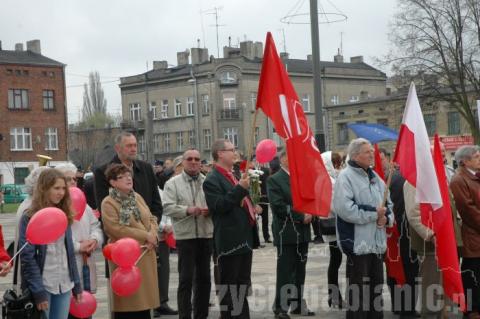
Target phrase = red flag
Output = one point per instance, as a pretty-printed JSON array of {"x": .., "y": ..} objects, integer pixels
[
  {"x": 309, "y": 181},
  {"x": 393, "y": 260},
  {"x": 445, "y": 243}
]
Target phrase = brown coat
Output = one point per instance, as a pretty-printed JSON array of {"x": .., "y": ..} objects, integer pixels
[
  {"x": 465, "y": 188},
  {"x": 147, "y": 296}
]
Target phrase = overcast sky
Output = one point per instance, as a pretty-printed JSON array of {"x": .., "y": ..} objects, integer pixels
[{"x": 118, "y": 37}]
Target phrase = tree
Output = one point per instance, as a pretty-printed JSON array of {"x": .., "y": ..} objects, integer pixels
[
  {"x": 94, "y": 111},
  {"x": 442, "y": 38}
]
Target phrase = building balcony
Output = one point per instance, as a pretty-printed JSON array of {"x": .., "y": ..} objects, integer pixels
[
  {"x": 132, "y": 125},
  {"x": 230, "y": 114}
]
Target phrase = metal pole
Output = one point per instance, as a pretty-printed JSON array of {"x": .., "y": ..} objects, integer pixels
[{"x": 317, "y": 81}]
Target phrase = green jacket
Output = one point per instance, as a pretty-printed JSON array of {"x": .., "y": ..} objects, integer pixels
[
  {"x": 232, "y": 232},
  {"x": 287, "y": 225}
]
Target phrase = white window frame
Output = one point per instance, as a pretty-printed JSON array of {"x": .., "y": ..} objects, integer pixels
[
  {"x": 231, "y": 134},
  {"x": 164, "y": 112},
  {"x": 20, "y": 135},
  {"x": 306, "y": 102},
  {"x": 190, "y": 105},
  {"x": 228, "y": 77},
  {"x": 166, "y": 142},
  {"x": 207, "y": 138},
  {"x": 178, "y": 108},
  {"x": 335, "y": 100},
  {"x": 48, "y": 99},
  {"x": 229, "y": 101},
  {"x": 205, "y": 103},
  {"x": 51, "y": 139},
  {"x": 180, "y": 145},
  {"x": 135, "y": 111},
  {"x": 157, "y": 145},
  {"x": 191, "y": 138},
  {"x": 18, "y": 99},
  {"x": 253, "y": 99},
  {"x": 153, "y": 108},
  {"x": 354, "y": 98}
]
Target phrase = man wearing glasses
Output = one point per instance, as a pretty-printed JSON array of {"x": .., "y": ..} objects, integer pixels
[
  {"x": 184, "y": 201},
  {"x": 233, "y": 218}
]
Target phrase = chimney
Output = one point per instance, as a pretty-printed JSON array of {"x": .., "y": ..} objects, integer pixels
[
  {"x": 182, "y": 57},
  {"x": 309, "y": 57},
  {"x": 18, "y": 46},
  {"x": 199, "y": 55},
  {"x": 0, "y": 45},
  {"x": 338, "y": 58},
  {"x": 356, "y": 59},
  {"x": 229, "y": 52},
  {"x": 258, "y": 50},
  {"x": 160, "y": 65},
  {"x": 34, "y": 46},
  {"x": 247, "y": 49},
  {"x": 284, "y": 55}
]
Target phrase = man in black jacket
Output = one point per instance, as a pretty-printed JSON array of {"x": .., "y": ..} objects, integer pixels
[{"x": 144, "y": 183}]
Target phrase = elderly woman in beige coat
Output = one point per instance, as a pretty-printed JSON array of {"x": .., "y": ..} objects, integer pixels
[{"x": 125, "y": 214}]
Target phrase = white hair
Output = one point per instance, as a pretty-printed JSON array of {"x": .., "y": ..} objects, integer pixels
[
  {"x": 355, "y": 146},
  {"x": 66, "y": 168},
  {"x": 465, "y": 153},
  {"x": 32, "y": 178}
]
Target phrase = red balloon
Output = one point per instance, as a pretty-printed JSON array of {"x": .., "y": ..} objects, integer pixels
[
  {"x": 265, "y": 151},
  {"x": 126, "y": 252},
  {"x": 79, "y": 202},
  {"x": 46, "y": 226},
  {"x": 107, "y": 251},
  {"x": 170, "y": 240},
  {"x": 85, "y": 308},
  {"x": 126, "y": 281}
]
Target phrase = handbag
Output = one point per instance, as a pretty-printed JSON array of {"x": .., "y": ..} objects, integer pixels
[
  {"x": 21, "y": 306},
  {"x": 327, "y": 226}
]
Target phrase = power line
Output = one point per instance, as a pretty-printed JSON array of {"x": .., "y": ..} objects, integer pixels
[{"x": 81, "y": 85}]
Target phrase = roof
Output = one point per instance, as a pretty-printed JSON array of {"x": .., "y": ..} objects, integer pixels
[{"x": 26, "y": 57}]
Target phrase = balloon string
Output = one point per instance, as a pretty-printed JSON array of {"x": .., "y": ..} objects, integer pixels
[
  {"x": 141, "y": 256},
  {"x": 18, "y": 252}
]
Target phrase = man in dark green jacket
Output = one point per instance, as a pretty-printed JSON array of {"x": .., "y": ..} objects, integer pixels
[
  {"x": 291, "y": 235},
  {"x": 233, "y": 218}
]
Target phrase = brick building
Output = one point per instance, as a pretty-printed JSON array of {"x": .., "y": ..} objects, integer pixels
[{"x": 33, "y": 117}]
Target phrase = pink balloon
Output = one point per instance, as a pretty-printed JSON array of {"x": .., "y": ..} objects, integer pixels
[
  {"x": 126, "y": 281},
  {"x": 265, "y": 151},
  {"x": 126, "y": 252},
  {"x": 79, "y": 202},
  {"x": 85, "y": 308},
  {"x": 46, "y": 226},
  {"x": 170, "y": 240}
]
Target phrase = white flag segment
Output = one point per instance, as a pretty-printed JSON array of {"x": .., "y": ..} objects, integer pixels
[{"x": 427, "y": 187}]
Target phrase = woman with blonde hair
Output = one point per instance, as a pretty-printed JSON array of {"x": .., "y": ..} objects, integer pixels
[{"x": 50, "y": 271}]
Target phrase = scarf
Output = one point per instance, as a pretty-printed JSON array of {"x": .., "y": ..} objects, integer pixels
[{"x": 128, "y": 206}]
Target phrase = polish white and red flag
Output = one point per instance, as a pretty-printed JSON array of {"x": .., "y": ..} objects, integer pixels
[
  {"x": 427, "y": 174},
  {"x": 310, "y": 183}
]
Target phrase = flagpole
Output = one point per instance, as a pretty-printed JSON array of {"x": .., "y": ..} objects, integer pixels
[
  {"x": 252, "y": 138},
  {"x": 387, "y": 186}
]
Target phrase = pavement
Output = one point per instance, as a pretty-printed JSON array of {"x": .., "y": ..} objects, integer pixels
[{"x": 263, "y": 282}]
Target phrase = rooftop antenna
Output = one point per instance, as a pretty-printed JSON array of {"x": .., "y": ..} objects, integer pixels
[
  {"x": 341, "y": 43},
  {"x": 214, "y": 12},
  {"x": 198, "y": 43},
  {"x": 284, "y": 41},
  {"x": 203, "y": 28},
  {"x": 244, "y": 37},
  {"x": 229, "y": 41}
]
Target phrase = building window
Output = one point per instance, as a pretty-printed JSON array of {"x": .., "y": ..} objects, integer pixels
[
  {"x": 178, "y": 107},
  {"x": 342, "y": 133},
  {"x": 207, "y": 138},
  {"x": 51, "y": 139},
  {"x": 430, "y": 123},
  {"x": 206, "y": 106},
  {"x": 229, "y": 101},
  {"x": 191, "y": 138},
  {"x": 354, "y": 98},
  {"x": 166, "y": 142},
  {"x": 453, "y": 123},
  {"x": 20, "y": 139},
  {"x": 135, "y": 112},
  {"x": 179, "y": 141},
  {"x": 153, "y": 108},
  {"x": 156, "y": 143},
  {"x": 164, "y": 109},
  {"x": 17, "y": 99},
  {"x": 231, "y": 134},
  {"x": 19, "y": 174},
  {"x": 25, "y": 72},
  {"x": 334, "y": 100},
  {"x": 257, "y": 135},
  {"x": 141, "y": 144},
  {"x": 253, "y": 99},
  {"x": 190, "y": 105},
  {"x": 306, "y": 102},
  {"x": 383, "y": 122},
  {"x": 48, "y": 100},
  {"x": 228, "y": 77}
]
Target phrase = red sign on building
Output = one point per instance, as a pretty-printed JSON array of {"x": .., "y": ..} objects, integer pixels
[{"x": 456, "y": 141}]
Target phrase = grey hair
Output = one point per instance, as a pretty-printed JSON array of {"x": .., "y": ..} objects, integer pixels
[
  {"x": 465, "y": 153},
  {"x": 67, "y": 168},
  {"x": 121, "y": 135},
  {"x": 355, "y": 146},
  {"x": 217, "y": 146},
  {"x": 32, "y": 178}
]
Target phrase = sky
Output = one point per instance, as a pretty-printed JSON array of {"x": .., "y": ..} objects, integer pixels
[{"x": 119, "y": 38}]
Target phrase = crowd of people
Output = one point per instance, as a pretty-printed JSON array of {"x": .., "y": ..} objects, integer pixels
[{"x": 210, "y": 211}]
